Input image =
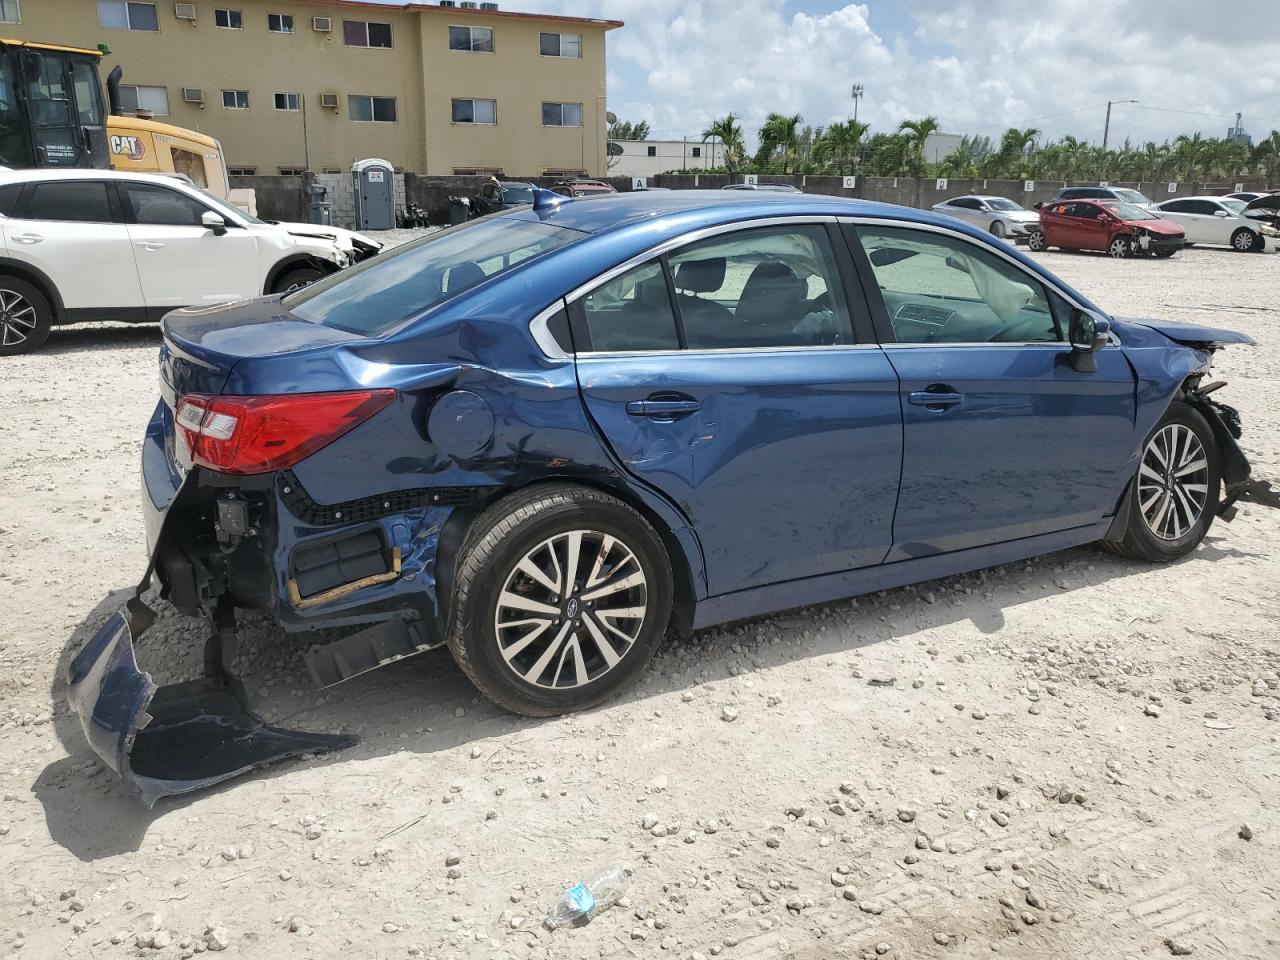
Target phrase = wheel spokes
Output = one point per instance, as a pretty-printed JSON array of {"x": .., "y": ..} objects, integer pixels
[{"x": 1172, "y": 481}]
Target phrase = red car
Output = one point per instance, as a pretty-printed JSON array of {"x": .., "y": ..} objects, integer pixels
[{"x": 1121, "y": 229}]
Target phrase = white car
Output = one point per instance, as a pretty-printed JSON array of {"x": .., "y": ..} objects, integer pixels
[
  {"x": 998, "y": 216},
  {"x": 1214, "y": 220},
  {"x": 81, "y": 245}
]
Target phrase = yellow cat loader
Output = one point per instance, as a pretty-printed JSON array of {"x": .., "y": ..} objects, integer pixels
[{"x": 52, "y": 115}]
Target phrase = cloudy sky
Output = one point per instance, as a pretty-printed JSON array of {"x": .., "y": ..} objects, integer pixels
[{"x": 978, "y": 65}]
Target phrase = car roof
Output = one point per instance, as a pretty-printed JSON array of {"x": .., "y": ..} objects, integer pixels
[
  {"x": 1198, "y": 197},
  {"x": 48, "y": 173}
]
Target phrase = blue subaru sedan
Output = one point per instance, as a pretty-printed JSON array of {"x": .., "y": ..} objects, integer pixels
[{"x": 544, "y": 438}]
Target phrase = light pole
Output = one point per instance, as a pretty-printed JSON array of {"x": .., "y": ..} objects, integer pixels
[
  {"x": 855, "y": 91},
  {"x": 1106, "y": 128}
]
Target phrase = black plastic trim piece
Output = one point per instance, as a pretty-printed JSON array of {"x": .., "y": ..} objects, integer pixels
[{"x": 300, "y": 504}]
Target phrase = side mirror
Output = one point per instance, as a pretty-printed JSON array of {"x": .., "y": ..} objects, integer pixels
[
  {"x": 1103, "y": 217},
  {"x": 215, "y": 222},
  {"x": 1221, "y": 213},
  {"x": 1087, "y": 334},
  {"x": 1037, "y": 205}
]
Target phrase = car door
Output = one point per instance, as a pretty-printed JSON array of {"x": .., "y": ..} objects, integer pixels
[
  {"x": 727, "y": 374},
  {"x": 1184, "y": 213},
  {"x": 71, "y": 231},
  {"x": 1092, "y": 224},
  {"x": 1003, "y": 438},
  {"x": 1057, "y": 225},
  {"x": 180, "y": 261},
  {"x": 1220, "y": 221}
]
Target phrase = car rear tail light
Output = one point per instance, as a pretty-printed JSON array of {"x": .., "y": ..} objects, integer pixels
[{"x": 245, "y": 435}]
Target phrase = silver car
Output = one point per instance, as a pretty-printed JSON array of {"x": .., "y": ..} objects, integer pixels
[{"x": 1000, "y": 217}]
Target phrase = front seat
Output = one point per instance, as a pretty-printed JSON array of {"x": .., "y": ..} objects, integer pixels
[
  {"x": 706, "y": 323},
  {"x": 772, "y": 303}
]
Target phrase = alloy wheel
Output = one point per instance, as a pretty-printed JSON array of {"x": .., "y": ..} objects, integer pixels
[
  {"x": 1036, "y": 240},
  {"x": 18, "y": 318},
  {"x": 571, "y": 609},
  {"x": 1173, "y": 482}
]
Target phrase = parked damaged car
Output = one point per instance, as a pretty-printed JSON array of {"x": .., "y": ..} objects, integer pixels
[
  {"x": 543, "y": 438},
  {"x": 1118, "y": 228},
  {"x": 80, "y": 245}
]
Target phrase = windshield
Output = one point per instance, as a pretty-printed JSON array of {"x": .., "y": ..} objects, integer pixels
[
  {"x": 1127, "y": 211},
  {"x": 517, "y": 194},
  {"x": 383, "y": 292},
  {"x": 999, "y": 203},
  {"x": 1235, "y": 206},
  {"x": 1130, "y": 196}
]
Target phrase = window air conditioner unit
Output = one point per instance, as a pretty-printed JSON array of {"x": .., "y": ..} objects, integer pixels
[
  {"x": 185, "y": 11},
  {"x": 329, "y": 101},
  {"x": 322, "y": 24},
  {"x": 192, "y": 95}
]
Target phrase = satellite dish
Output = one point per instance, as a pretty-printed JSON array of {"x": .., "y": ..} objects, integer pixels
[
  {"x": 610, "y": 116},
  {"x": 613, "y": 148}
]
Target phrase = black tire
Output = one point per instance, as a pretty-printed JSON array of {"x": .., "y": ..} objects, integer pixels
[
  {"x": 1246, "y": 241},
  {"x": 296, "y": 278},
  {"x": 1139, "y": 540},
  {"x": 997, "y": 229},
  {"x": 1120, "y": 247},
  {"x": 1164, "y": 254},
  {"x": 511, "y": 532},
  {"x": 1036, "y": 241},
  {"x": 25, "y": 317}
]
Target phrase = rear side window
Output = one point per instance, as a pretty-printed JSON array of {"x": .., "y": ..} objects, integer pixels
[
  {"x": 81, "y": 201},
  {"x": 631, "y": 313},
  {"x": 381, "y": 293}
]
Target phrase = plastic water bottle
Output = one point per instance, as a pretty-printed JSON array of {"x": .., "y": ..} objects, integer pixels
[{"x": 584, "y": 901}]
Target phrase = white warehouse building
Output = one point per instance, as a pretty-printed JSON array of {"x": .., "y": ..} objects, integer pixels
[{"x": 648, "y": 158}]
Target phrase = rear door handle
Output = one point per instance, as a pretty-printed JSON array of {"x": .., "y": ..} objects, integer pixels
[
  {"x": 939, "y": 400},
  {"x": 663, "y": 409},
  {"x": 27, "y": 238}
]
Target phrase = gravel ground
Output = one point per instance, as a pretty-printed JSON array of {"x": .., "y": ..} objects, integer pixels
[{"x": 1074, "y": 756}]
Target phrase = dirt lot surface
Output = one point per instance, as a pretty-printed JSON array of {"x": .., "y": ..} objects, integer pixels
[{"x": 1071, "y": 757}]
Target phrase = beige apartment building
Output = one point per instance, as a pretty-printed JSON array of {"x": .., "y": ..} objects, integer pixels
[{"x": 289, "y": 85}]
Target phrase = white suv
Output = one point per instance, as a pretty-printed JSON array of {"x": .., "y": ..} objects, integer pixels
[{"x": 81, "y": 245}]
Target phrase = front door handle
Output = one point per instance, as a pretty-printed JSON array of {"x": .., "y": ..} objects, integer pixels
[
  {"x": 936, "y": 399},
  {"x": 151, "y": 245},
  {"x": 663, "y": 409},
  {"x": 27, "y": 238}
]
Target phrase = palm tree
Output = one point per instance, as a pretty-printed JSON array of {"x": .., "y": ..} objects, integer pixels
[
  {"x": 780, "y": 133},
  {"x": 1187, "y": 151},
  {"x": 917, "y": 132},
  {"x": 728, "y": 131},
  {"x": 1016, "y": 148},
  {"x": 1266, "y": 157},
  {"x": 838, "y": 144}
]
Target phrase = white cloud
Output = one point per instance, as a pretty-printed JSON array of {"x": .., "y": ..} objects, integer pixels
[{"x": 978, "y": 65}]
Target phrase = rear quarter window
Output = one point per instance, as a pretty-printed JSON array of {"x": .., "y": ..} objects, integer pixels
[{"x": 9, "y": 194}]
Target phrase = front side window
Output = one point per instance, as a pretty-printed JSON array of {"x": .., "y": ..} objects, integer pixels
[
  {"x": 10, "y": 11},
  {"x": 1177, "y": 206},
  {"x": 367, "y": 109},
  {"x": 288, "y": 101},
  {"x": 235, "y": 99},
  {"x": 941, "y": 289},
  {"x": 228, "y": 19},
  {"x": 379, "y": 294},
  {"x": 364, "y": 33},
  {"x": 280, "y": 22},
  {"x": 80, "y": 201},
  {"x": 560, "y": 45},
  {"x": 475, "y": 111},
  {"x": 763, "y": 287},
  {"x": 562, "y": 114},
  {"x": 631, "y": 313},
  {"x": 159, "y": 206},
  {"x": 127, "y": 15},
  {"x": 134, "y": 98},
  {"x": 47, "y": 96},
  {"x": 471, "y": 39},
  {"x": 88, "y": 97}
]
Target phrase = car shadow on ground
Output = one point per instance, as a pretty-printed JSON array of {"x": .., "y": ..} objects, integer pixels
[
  {"x": 79, "y": 339},
  {"x": 414, "y": 705}
]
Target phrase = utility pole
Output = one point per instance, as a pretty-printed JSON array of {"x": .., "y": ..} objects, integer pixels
[
  {"x": 856, "y": 92},
  {"x": 1106, "y": 129}
]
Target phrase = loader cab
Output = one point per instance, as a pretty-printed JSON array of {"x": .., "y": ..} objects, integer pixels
[{"x": 51, "y": 109}]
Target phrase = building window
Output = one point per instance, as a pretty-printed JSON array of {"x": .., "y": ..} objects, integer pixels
[
  {"x": 473, "y": 39},
  {"x": 134, "y": 98},
  {"x": 652, "y": 151},
  {"x": 562, "y": 114},
  {"x": 235, "y": 99},
  {"x": 371, "y": 109},
  {"x": 288, "y": 101},
  {"x": 567, "y": 45},
  {"x": 292, "y": 171},
  {"x": 280, "y": 22},
  {"x": 10, "y": 11},
  {"x": 241, "y": 171},
  {"x": 127, "y": 15},
  {"x": 228, "y": 19},
  {"x": 475, "y": 111},
  {"x": 364, "y": 33},
  {"x": 696, "y": 151}
]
